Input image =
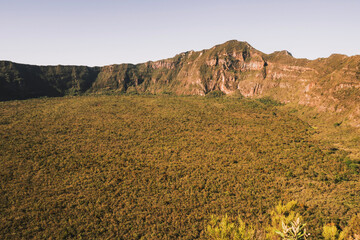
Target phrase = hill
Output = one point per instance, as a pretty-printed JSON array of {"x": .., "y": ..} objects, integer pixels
[{"x": 328, "y": 84}]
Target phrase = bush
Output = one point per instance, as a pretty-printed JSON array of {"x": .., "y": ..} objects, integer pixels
[
  {"x": 330, "y": 232},
  {"x": 337, "y": 124},
  {"x": 295, "y": 231},
  {"x": 224, "y": 229},
  {"x": 352, "y": 231},
  {"x": 281, "y": 214},
  {"x": 215, "y": 94},
  {"x": 269, "y": 101}
]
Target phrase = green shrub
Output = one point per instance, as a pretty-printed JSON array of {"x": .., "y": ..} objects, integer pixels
[
  {"x": 269, "y": 101},
  {"x": 215, "y": 94},
  {"x": 280, "y": 215},
  {"x": 224, "y": 229},
  {"x": 337, "y": 124},
  {"x": 330, "y": 232}
]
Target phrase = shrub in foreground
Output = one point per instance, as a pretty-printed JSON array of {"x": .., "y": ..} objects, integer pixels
[
  {"x": 224, "y": 229},
  {"x": 295, "y": 231},
  {"x": 330, "y": 232},
  {"x": 285, "y": 224}
]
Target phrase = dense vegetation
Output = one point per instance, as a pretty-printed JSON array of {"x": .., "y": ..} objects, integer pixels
[{"x": 158, "y": 167}]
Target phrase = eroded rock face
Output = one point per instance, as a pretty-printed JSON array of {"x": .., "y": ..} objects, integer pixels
[
  {"x": 162, "y": 64},
  {"x": 329, "y": 84}
]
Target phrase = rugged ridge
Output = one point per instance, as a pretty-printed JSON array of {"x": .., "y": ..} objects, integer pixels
[{"x": 328, "y": 84}]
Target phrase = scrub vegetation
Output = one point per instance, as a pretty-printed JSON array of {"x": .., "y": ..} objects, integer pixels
[{"x": 169, "y": 167}]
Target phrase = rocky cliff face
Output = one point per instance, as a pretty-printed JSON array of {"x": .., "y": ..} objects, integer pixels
[{"x": 329, "y": 84}]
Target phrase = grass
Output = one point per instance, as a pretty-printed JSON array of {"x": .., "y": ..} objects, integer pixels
[{"x": 157, "y": 167}]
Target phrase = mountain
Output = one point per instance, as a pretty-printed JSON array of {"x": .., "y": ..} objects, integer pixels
[{"x": 327, "y": 84}]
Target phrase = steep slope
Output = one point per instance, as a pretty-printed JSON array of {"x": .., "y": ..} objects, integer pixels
[
  {"x": 192, "y": 73},
  {"x": 19, "y": 81},
  {"x": 328, "y": 84}
]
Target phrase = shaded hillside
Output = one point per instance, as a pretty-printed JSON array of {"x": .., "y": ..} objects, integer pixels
[
  {"x": 19, "y": 81},
  {"x": 329, "y": 84}
]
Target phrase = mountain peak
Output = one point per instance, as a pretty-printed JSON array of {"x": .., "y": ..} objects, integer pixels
[
  {"x": 235, "y": 43},
  {"x": 283, "y": 53}
]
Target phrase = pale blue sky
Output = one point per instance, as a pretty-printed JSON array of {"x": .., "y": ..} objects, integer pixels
[{"x": 102, "y": 32}]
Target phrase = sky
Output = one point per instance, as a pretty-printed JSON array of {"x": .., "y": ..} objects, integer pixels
[{"x": 103, "y": 32}]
